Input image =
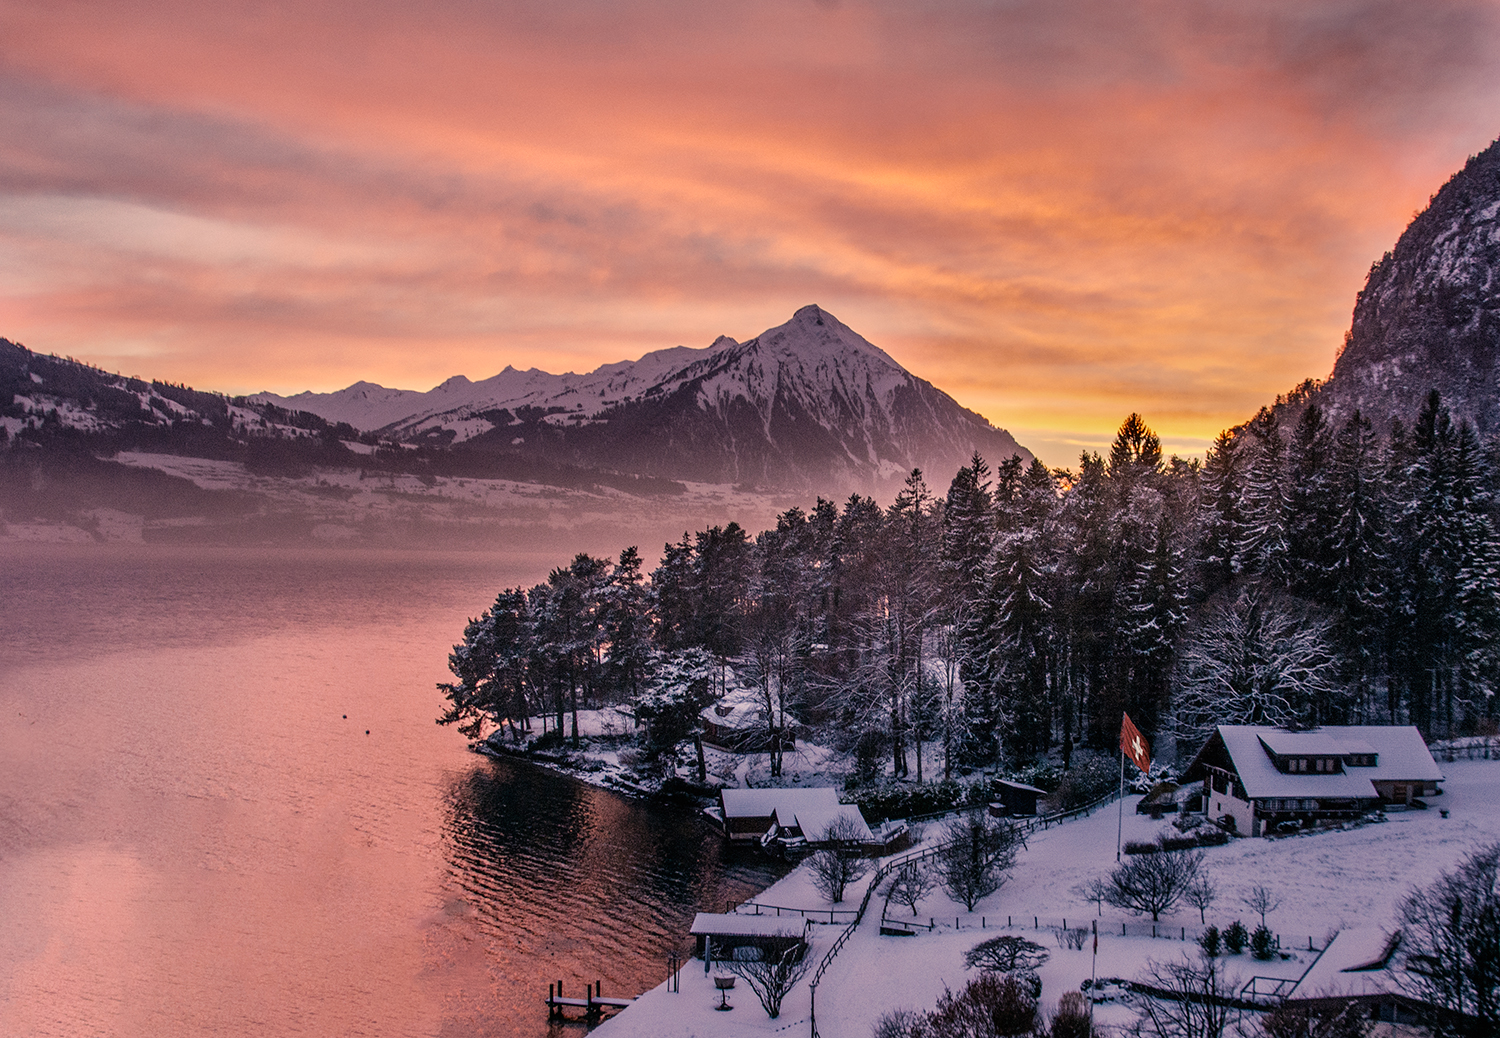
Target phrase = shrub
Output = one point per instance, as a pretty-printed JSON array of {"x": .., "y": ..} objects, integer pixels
[
  {"x": 1072, "y": 1017},
  {"x": 1073, "y": 937},
  {"x": 1138, "y": 847},
  {"x": 1178, "y": 843},
  {"x": 1211, "y": 837},
  {"x": 1210, "y": 942},
  {"x": 1236, "y": 937},
  {"x": 1006, "y": 954},
  {"x": 988, "y": 1004},
  {"x": 1262, "y": 944}
]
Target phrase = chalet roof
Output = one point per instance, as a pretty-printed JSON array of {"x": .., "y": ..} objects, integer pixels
[
  {"x": 1404, "y": 756},
  {"x": 1358, "y": 962},
  {"x": 714, "y": 924},
  {"x": 1401, "y": 754},
  {"x": 1260, "y": 778},
  {"x": 1301, "y": 744},
  {"x": 812, "y": 809}
]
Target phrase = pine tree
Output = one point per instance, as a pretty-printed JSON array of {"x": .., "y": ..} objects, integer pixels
[
  {"x": 1222, "y": 524},
  {"x": 1264, "y": 547},
  {"x": 1310, "y": 508},
  {"x": 1355, "y": 559}
]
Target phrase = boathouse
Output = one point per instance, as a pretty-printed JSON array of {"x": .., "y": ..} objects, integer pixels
[
  {"x": 1257, "y": 778},
  {"x": 749, "y": 814}
]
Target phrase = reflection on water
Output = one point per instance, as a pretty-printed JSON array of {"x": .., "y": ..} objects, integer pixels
[
  {"x": 577, "y": 884},
  {"x": 199, "y": 837}
]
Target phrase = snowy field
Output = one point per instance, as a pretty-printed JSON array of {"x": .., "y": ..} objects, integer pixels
[{"x": 1327, "y": 881}]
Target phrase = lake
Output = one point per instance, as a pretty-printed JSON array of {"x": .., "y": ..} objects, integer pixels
[{"x": 225, "y": 809}]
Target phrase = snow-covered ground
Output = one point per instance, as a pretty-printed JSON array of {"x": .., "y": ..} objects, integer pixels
[{"x": 1326, "y": 880}]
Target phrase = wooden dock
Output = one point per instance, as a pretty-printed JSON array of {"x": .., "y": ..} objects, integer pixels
[{"x": 593, "y": 1003}]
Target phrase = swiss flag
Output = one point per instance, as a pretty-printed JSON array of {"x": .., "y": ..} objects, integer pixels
[{"x": 1134, "y": 744}]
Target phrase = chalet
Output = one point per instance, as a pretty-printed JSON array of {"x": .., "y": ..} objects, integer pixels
[
  {"x": 749, "y": 814},
  {"x": 1258, "y": 777}
]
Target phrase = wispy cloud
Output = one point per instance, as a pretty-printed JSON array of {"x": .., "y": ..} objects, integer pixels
[{"x": 1061, "y": 212}]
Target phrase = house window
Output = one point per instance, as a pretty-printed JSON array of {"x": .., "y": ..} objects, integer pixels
[{"x": 1302, "y": 764}]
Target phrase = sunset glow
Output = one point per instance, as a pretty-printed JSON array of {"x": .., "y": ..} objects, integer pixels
[{"x": 1057, "y": 212}]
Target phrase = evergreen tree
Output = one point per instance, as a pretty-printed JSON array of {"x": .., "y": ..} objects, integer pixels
[
  {"x": 1265, "y": 547},
  {"x": 1222, "y": 524}
]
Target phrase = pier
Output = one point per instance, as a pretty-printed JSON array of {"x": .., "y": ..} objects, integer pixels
[{"x": 593, "y": 1003}]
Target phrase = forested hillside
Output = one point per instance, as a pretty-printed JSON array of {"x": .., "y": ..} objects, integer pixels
[{"x": 1317, "y": 574}]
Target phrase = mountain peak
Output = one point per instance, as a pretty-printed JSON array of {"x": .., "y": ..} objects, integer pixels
[
  {"x": 1427, "y": 317},
  {"x": 809, "y": 314}
]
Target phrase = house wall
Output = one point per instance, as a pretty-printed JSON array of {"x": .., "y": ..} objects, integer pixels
[
  {"x": 748, "y": 828},
  {"x": 1219, "y": 804},
  {"x": 1387, "y": 790}
]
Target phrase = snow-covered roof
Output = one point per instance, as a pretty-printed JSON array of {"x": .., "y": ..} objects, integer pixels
[
  {"x": 1357, "y": 962},
  {"x": 1301, "y": 744},
  {"x": 1260, "y": 777},
  {"x": 714, "y": 924},
  {"x": 739, "y": 708},
  {"x": 1402, "y": 756},
  {"x": 811, "y": 809}
]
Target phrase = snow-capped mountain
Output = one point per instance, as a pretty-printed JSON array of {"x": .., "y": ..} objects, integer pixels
[
  {"x": 1429, "y": 315},
  {"x": 807, "y": 404}
]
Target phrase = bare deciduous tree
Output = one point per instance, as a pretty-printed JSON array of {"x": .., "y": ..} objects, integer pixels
[
  {"x": 1259, "y": 658},
  {"x": 836, "y": 866},
  {"x": 1154, "y": 882},
  {"x": 1201, "y": 894},
  {"x": 1261, "y": 901},
  {"x": 975, "y": 858},
  {"x": 1451, "y": 935},
  {"x": 1095, "y": 890},
  {"x": 912, "y": 882},
  {"x": 773, "y": 976},
  {"x": 1193, "y": 1003}
]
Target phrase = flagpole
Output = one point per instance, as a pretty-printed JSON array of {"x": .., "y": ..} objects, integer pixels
[
  {"x": 1093, "y": 976},
  {"x": 1120, "y": 829}
]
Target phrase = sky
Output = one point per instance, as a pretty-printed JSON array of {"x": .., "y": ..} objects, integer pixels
[{"x": 1058, "y": 212}]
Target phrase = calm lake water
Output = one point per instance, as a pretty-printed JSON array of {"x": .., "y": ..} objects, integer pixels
[{"x": 225, "y": 809}]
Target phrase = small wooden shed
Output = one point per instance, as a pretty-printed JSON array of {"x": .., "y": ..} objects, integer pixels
[
  {"x": 1019, "y": 798},
  {"x": 748, "y": 937}
]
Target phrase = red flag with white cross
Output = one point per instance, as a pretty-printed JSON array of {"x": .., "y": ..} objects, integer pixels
[{"x": 1134, "y": 744}]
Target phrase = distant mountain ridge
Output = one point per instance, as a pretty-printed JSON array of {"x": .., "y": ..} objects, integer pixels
[
  {"x": 1429, "y": 314},
  {"x": 809, "y": 404}
]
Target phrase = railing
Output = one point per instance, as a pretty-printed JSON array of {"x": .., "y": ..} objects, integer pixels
[
  {"x": 814, "y": 914},
  {"x": 881, "y": 874},
  {"x": 1258, "y": 989}
]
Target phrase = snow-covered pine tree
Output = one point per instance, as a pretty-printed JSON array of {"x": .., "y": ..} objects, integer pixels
[
  {"x": 1264, "y": 546},
  {"x": 1221, "y": 523},
  {"x": 1355, "y": 557}
]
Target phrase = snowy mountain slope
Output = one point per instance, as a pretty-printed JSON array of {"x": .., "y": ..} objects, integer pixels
[
  {"x": 1429, "y": 315},
  {"x": 809, "y": 403}
]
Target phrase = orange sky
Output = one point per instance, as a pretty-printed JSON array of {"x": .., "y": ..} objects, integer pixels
[{"x": 1057, "y": 212}]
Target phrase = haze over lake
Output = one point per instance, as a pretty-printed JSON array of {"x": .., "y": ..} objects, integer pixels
[{"x": 195, "y": 839}]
